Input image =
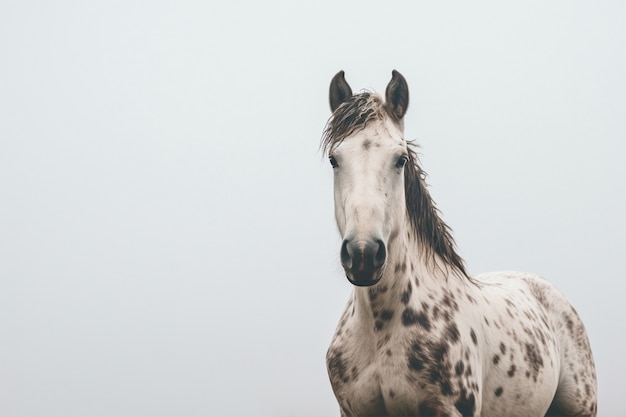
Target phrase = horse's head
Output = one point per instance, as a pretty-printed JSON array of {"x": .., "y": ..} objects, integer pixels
[{"x": 366, "y": 147}]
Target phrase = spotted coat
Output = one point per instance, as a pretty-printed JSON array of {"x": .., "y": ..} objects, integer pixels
[
  {"x": 419, "y": 336},
  {"x": 411, "y": 346}
]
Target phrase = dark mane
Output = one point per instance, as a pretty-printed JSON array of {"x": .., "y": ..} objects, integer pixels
[
  {"x": 424, "y": 215},
  {"x": 352, "y": 116}
]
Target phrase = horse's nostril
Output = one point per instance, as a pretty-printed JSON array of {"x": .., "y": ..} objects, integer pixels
[
  {"x": 363, "y": 256},
  {"x": 381, "y": 254},
  {"x": 346, "y": 259}
]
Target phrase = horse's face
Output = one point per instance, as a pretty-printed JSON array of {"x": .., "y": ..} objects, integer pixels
[
  {"x": 369, "y": 198},
  {"x": 368, "y": 168}
]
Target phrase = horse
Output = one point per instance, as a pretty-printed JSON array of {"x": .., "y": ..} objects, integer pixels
[{"x": 419, "y": 336}]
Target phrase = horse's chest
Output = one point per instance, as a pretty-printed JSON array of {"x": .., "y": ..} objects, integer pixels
[
  {"x": 381, "y": 388},
  {"x": 371, "y": 378}
]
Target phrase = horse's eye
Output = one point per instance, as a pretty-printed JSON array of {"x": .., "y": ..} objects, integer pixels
[
  {"x": 401, "y": 161},
  {"x": 333, "y": 161}
]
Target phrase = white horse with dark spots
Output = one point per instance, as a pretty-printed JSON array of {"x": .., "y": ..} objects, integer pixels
[{"x": 419, "y": 336}]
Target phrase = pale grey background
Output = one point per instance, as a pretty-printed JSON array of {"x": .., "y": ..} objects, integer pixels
[{"x": 167, "y": 241}]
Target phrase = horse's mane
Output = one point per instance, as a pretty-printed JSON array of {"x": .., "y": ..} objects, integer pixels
[
  {"x": 424, "y": 215},
  {"x": 353, "y": 115}
]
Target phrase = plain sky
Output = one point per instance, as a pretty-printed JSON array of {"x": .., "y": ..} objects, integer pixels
[{"x": 167, "y": 240}]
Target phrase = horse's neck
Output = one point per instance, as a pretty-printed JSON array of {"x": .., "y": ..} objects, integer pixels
[{"x": 412, "y": 277}]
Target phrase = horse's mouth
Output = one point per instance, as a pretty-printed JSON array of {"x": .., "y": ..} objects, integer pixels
[{"x": 365, "y": 278}]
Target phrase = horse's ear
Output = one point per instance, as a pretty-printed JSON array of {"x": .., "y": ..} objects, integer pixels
[
  {"x": 397, "y": 95},
  {"x": 340, "y": 91}
]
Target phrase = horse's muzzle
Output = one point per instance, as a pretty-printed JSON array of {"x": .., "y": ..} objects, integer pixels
[{"x": 363, "y": 261}]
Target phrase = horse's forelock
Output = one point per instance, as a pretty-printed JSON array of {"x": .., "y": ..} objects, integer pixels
[{"x": 351, "y": 116}]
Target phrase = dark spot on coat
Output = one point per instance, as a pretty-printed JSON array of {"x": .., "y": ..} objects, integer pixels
[
  {"x": 466, "y": 404},
  {"x": 440, "y": 350},
  {"x": 416, "y": 357},
  {"x": 534, "y": 360},
  {"x": 378, "y": 325},
  {"x": 592, "y": 407},
  {"x": 496, "y": 359},
  {"x": 459, "y": 368},
  {"x": 502, "y": 348},
  {"x": 448, "y": 300},
  {"x": 452, "y": 331},
  {"x": 434, "y": 374},
  {"x": 446, "y": 316},
  {"x": 391, "y": 393},
  {"x": 511, "y": 371},
  {"x": 376, "y": 290},
  {"x": 498, "y": 391},
  {"x": 400, "y": 267},
  {"x": 446, "y": 388},
  {"x": 366, "y": 144},
  {"x": 423, "y": 320},
  {"x": 337, "y": 366},
  {"x": 473, "y": 336},
  {"x": 410, "y": 317},
  {"x": 435, "y": 312},
  {"x": 436, "y": 370},
  {"x": 386, "y": 315},
  {"x": 406, "y": 295},
  {"x": 415, "y": 362},
  {"x": 570, "y": 324},
  {"x": 372, "y": 294}
]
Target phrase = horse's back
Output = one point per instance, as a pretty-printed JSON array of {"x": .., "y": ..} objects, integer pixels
[{"x": 538, "y": 302}]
